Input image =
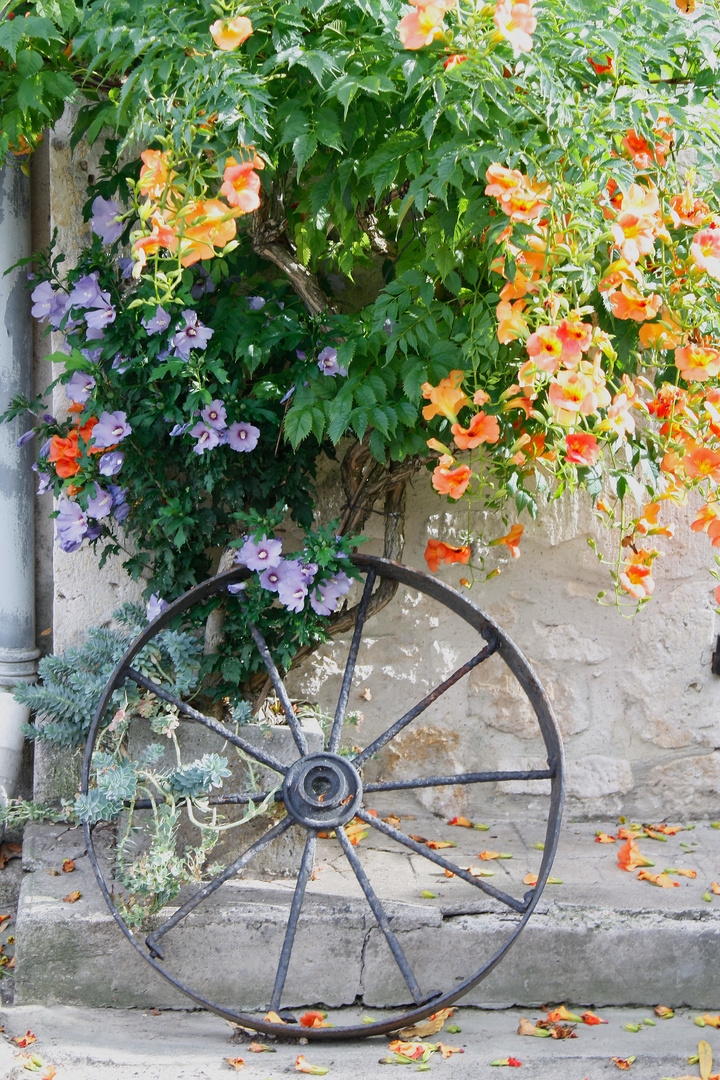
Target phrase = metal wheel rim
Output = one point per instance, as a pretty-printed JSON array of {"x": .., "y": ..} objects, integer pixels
[{"x": 518, "y": 665}]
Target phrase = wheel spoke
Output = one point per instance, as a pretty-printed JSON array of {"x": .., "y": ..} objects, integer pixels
[
  {"x": 207, "y": 721},
  {"x": 461, "y": 778},
  {"x": 152, "y": 940},
  {"x": 306, "y": 868},
  {"x": 421, "y": 706},
  {"x": 279, "y": 686},
  {"x": 379, "y": 913},
  {"x": 350, "y": 665},
  {"x": 420, "y": 849}
]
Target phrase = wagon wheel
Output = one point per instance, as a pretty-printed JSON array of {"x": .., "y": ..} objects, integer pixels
[{"x": 324, "y": 791}]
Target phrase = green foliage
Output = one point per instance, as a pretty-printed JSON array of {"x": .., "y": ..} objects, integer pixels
[{"x": 66, "y": 700}]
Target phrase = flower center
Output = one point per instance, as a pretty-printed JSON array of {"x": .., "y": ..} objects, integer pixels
[{"x": 262, "y": 554}]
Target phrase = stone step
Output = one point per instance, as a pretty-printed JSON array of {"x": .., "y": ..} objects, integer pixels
[{"x": 601, "y": 938}]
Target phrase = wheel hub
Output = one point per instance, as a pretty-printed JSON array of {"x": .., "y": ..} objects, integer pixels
[{"x": 322, "y": 791}]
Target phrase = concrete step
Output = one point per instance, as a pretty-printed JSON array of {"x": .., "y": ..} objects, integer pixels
[
  {"x": 601, "y": 938},
  {"x": 97, "y": 1044}
]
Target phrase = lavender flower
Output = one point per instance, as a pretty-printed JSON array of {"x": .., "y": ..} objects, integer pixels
[
  {"x": 193, "y": 335},
  {"x": 215, "y": 415},
  {"x": 101, "y": 505},
  {"x": 111, "y": 464},
  {"x": 48, "y": 304},
  {"x": 300, "y": 354},
  {"x": 256, "y": 303},
  {"x": 101, "y": 314},
  {"x": 121, "y": 511},
  {"x": 160, "y": 321},
  {"x": 327, "y": 362},
  {"x": 25, "y": 439},
  {"x": 110, "y": 429},
  {"x": 121, "y": 364},
  {"x": 329, "y": 592},
  {"x": 207, "y": 438},
  {"x": 261, "y": 555},
  {"x": 235, "y": 589},
  {"x": 104, "y": 220},
  {"x": 44, "y": 484},
  {"x": 86, "y": 291},
  {"x": 293, "y": 589},
  {"x": 179, "y": 429},
  {"x": 286, "y": 397},
  {"x": 155, "y": 606},
  {"x": 125, "y": 265},
  {"x": 45, "y": 448},
  {"x": 71, "y": 525},
  {"x": 243, "y": 436},
  {"x": 202, "y": 285},
  {"x": 79, "y": 387},
  {"x": 93, "y": 532}
]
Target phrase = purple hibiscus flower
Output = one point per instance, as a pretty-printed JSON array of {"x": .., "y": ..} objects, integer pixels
[
  {"x": 235, "y": 589},
  {"x": 215, "y": 415},
  {"x": 121, "y": 508},
  {"x": 160, "y": 321},
  {"x": 25, "y": 439},
  {"x": 293, "y": 589},
  {"x": 79, "y": 387},
  {"x": 256, "y": 303},
  {"x": 104, "y": 220},
  {"x": 121, "y": 364},
  {"x": 86, "y": 291},
  {"x": 101, "y": 314},
  {"x": 207, "y": 438},
  {"x": 242, "y": 436},
  {"x": 48, "y": 304},
  {"x": 101, "y": 505},
  {"x": 155, "y": 606},
  {"x": 45, "y": 448},
  {"x": 93, "y": 532},
  {"x": 71, "y": 525},
  {"x": 111, "y": 464},
  {"x": 327, "y": 362},
  {"x": 125, "y": 265},
  {"x": 179, "y": 429},
  {"x": 43, "y": 484},
  {"x": 110, "y": 429},
  {"x": 260, "y": 555},
  {"x": 193, "y": 335},
  {"x": 330, "y": 591},
  {"x": 202, "y": 285}
]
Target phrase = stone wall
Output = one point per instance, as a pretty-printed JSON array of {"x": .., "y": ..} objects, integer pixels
[{"x": 636, "y": 700}]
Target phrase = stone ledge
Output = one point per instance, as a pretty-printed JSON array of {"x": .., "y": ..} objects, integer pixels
[{"x": 606, "y": 951}]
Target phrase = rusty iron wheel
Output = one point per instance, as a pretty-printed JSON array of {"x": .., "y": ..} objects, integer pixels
[{"x": 325, "y": 790}]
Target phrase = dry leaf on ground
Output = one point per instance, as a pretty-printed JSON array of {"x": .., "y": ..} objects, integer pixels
[
  {"x": 68, "y": 866},
  {"x": 431, "y": 1026}
]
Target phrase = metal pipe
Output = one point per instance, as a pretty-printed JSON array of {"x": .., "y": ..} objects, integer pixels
[{"x": 18, "y": 651}]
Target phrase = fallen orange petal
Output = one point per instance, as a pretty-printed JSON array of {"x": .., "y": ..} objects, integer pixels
[
  {"x": 662, "y": 880},
  {"x": 592, "y": 1018},
  {"x": 561, "y": 1013},
  {"x": 711, "y": 1021},
  {"x": 235, "y": 1063},
  {"x": 273, "y": 1018},
  {"x": 448, "y": 1051},
  {"x": 715, "y": 888},
  {"x": 629, "y": 857},
  {"x": 530, "y": 879},
  {"x": 72, "y": 898},
  {"x": 604, "y": 838},
  {"x": 24, "y": 1040},
  {"x": 623, "y": 1063},
  {"x": 461, "y": 821},
  {"x": 436, "y": 845}
]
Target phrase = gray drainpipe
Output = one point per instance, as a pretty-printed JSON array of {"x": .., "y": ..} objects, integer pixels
[{"x": 18, "y": 652}]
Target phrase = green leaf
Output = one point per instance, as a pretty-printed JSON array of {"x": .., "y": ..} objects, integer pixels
[
  {"x": 298, "y": 424},
  {"x": 303, "y": 149}
]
